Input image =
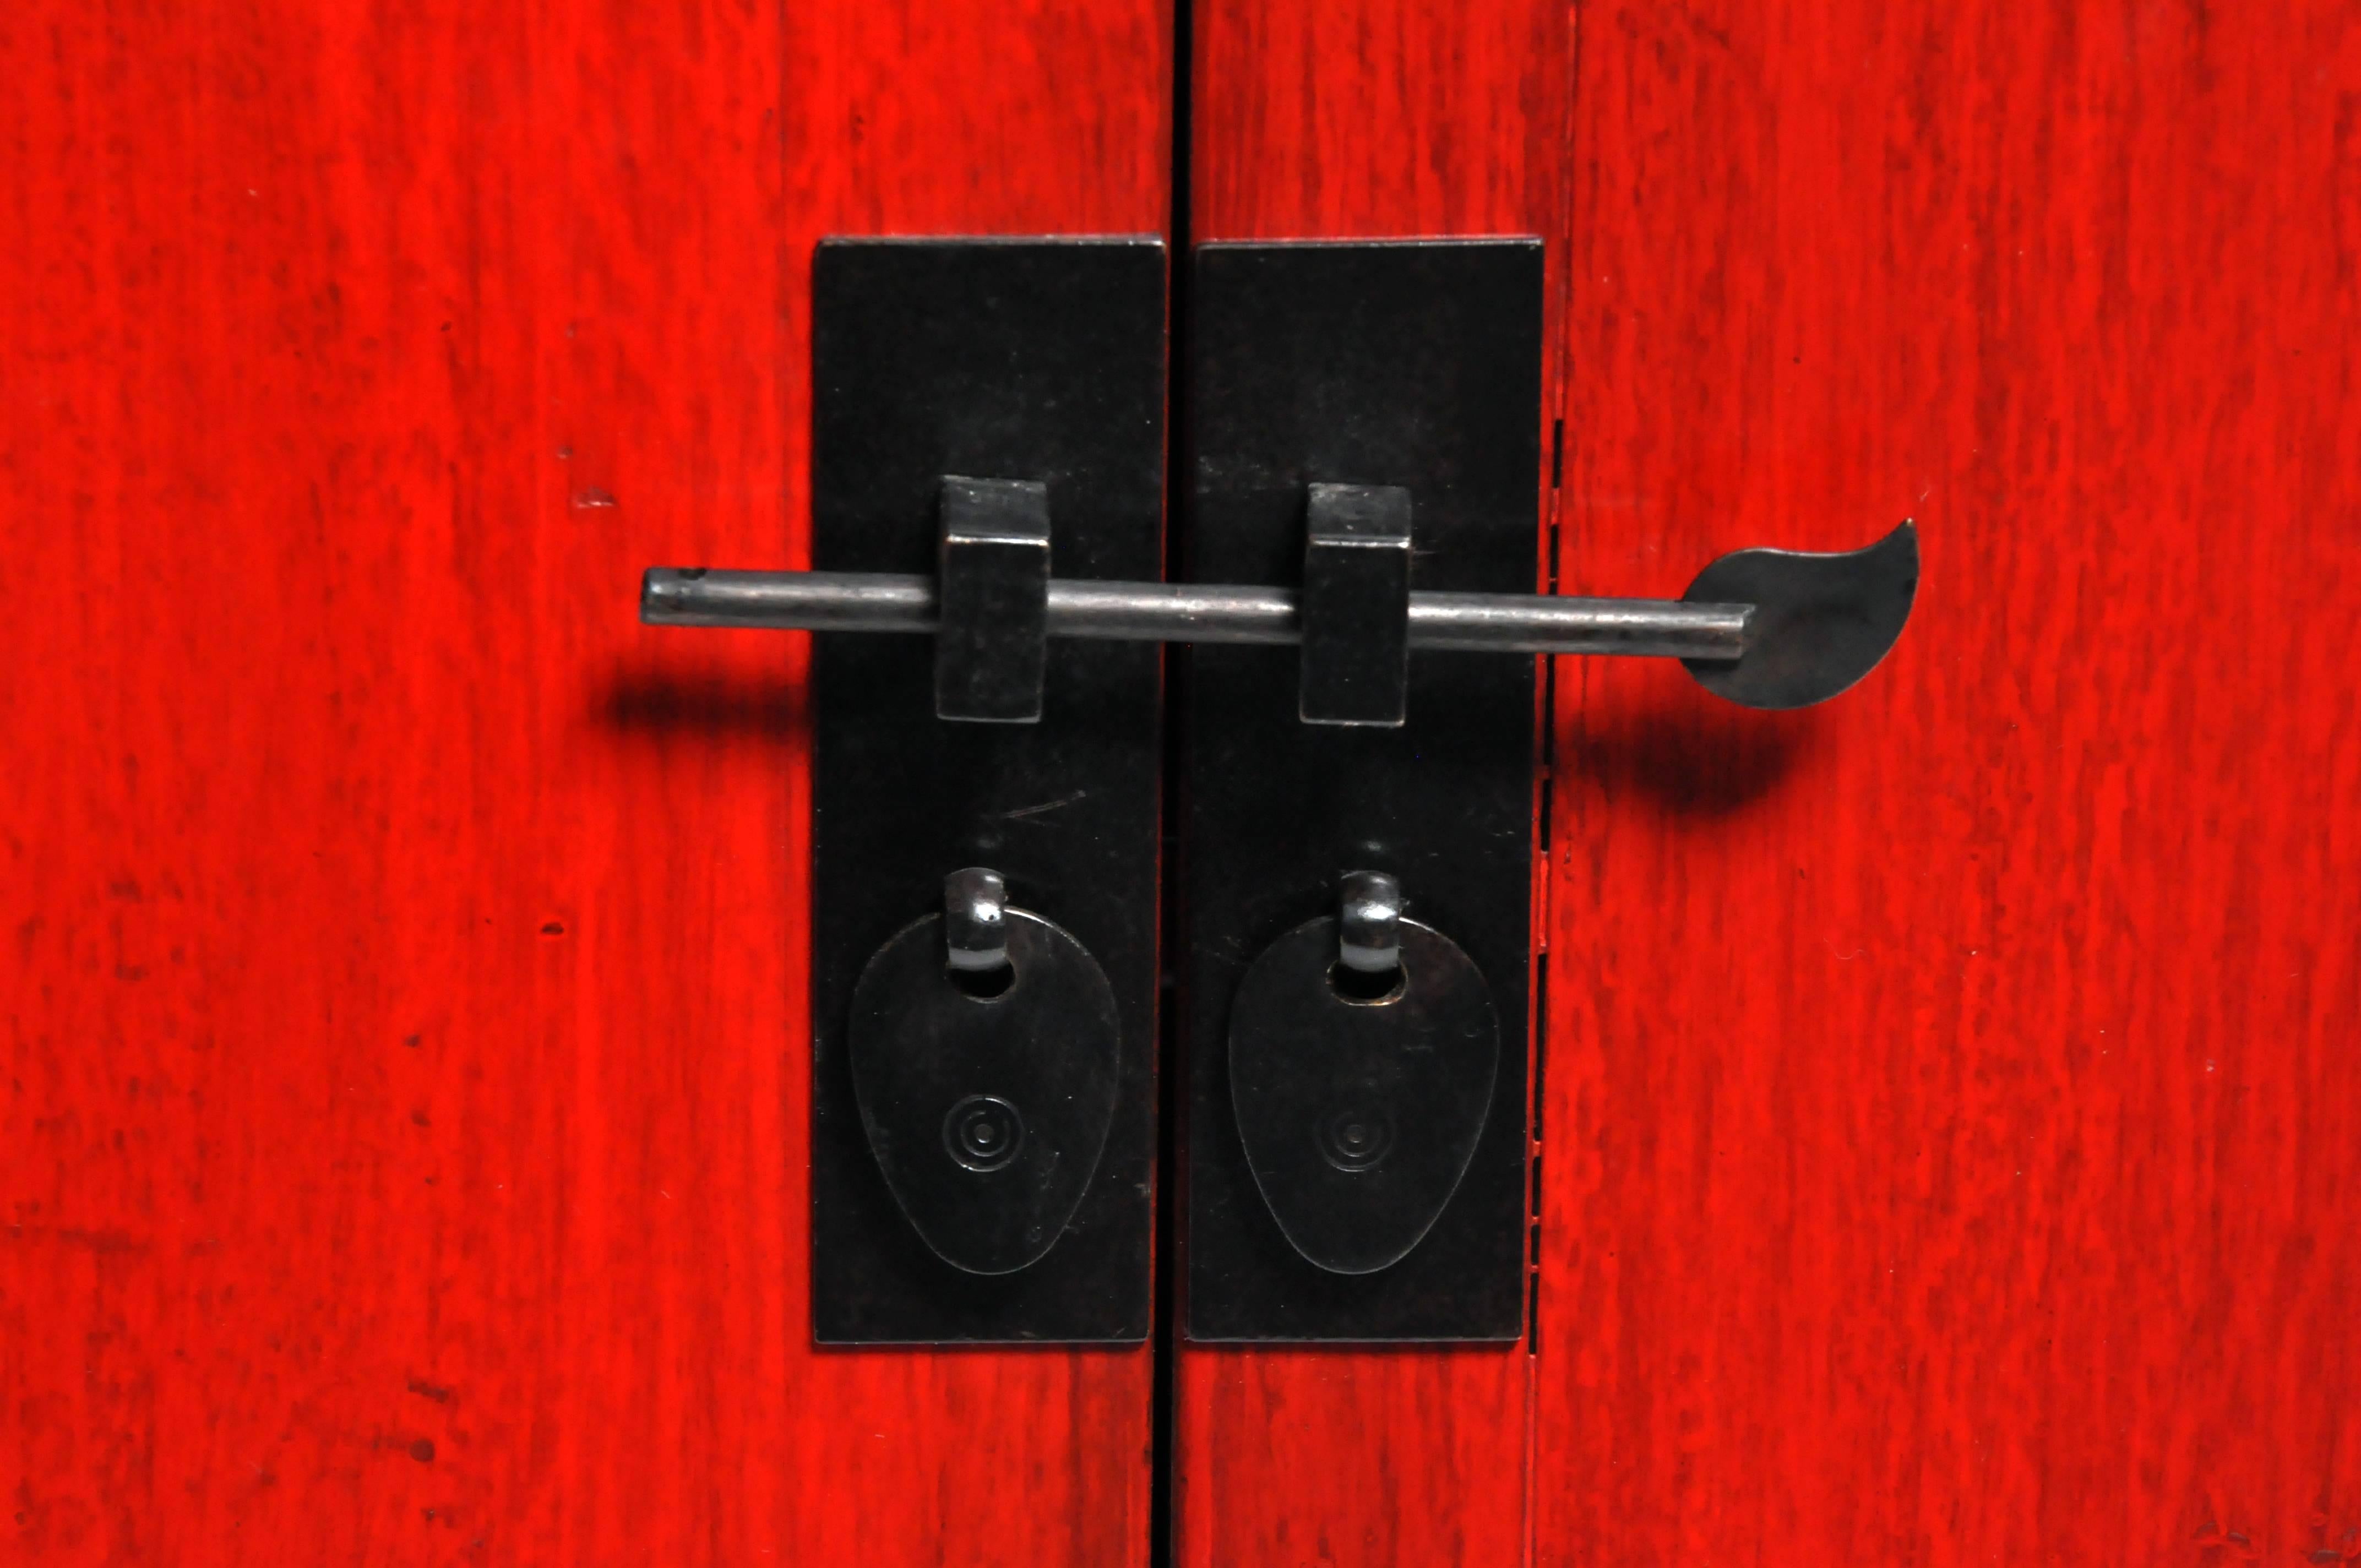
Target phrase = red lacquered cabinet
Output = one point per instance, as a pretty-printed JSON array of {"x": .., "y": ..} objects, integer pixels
[{"x": 1944, "y": 1104}]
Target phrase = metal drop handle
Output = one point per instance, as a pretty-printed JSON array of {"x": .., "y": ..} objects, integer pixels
[{"x": 1766, "y": 629}]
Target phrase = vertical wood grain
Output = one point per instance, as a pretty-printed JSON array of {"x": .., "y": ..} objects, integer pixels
[
  {"x": 1952, "y": 1118},
  {"x": 402, "y": 1149},
  {"x": 1363, "y": 119}
]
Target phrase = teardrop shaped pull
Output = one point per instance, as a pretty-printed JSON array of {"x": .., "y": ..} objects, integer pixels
[
  {"x": 984, "y": 1053},
  {"x": 1361, "y": 1091}
]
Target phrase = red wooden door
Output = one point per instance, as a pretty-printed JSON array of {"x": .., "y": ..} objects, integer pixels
[
  {"x": 1945, "y": 1112},
  {"x": 1950, "y": 1102},
  {"x": 405, "y": 1144}
]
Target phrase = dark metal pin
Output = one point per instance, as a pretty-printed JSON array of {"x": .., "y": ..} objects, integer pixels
[
  {"x": 1369, "y": 923},
  {"x": 976, "y": 927}
]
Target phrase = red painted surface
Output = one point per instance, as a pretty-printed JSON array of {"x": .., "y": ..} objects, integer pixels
[
  {"x": 402, "y": 1157},
  {"x": 1361, "y": 118},
  {"x": 1952, "y": 1110},
  {"x": 1950, "y": 1117},
  {"x": 1950, "y": 1120}
]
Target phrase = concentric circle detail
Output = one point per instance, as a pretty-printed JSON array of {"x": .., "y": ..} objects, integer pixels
[{"x": 984, "y": 1132}]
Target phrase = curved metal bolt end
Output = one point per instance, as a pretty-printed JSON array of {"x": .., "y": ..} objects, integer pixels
[
  {"x": 1820, "y": 622},
  {"x": 975, "y": 931},
  {"x": 1369, "y": 923}
]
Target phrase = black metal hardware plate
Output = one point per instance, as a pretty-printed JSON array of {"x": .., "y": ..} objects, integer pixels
[
  {"x": 1415, "y": 364},
  {"x": 998, "y": 359}
]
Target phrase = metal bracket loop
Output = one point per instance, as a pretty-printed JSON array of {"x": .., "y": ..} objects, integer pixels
[
  {"x": 975, "y": 924},
  {"x": 1369, "y": 923},
  {"x": 1355, "y": 606},
  {"x": 993, "y": 642}
]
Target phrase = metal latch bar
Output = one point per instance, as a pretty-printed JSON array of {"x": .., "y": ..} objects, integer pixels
[{"x": 1177, "y": 612}]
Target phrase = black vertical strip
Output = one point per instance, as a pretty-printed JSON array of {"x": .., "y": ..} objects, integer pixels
[
  {"x": 903, "y": 332},
  {"x": 1545, "y": 758},
  {"x": 1541, "y": 1057},
  {"x": 1170, "y": 1049},
  {"x": 1416, "y": 364},
  {"x": 1542, "y": 956}
]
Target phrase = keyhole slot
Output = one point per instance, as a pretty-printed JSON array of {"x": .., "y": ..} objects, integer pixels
[
  {"x": 984, "y": 984},
  {"x": 1367, "y": 988}
]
